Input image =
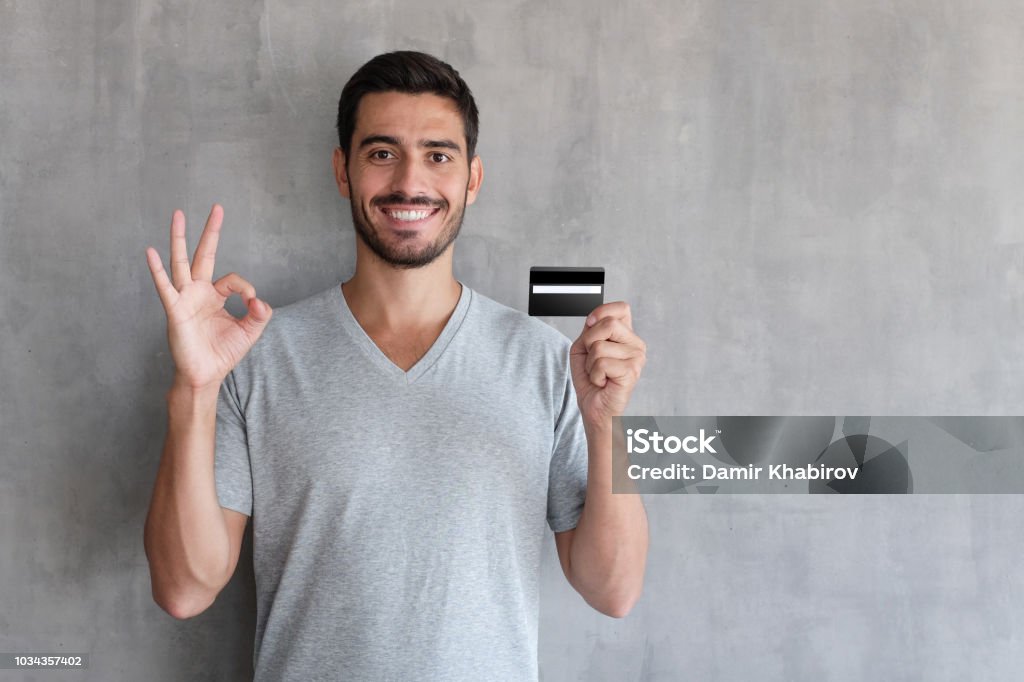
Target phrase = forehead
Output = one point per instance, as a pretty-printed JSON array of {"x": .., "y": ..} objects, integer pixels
[{"x": 410, "y": 117}]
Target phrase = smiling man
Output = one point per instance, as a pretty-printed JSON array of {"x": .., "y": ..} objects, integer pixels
[
  {"x": 400, "y": 441},
  {"x": 407, "y": 219}
]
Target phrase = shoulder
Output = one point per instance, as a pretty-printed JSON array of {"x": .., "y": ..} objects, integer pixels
[
  {"x": 515, "y": 331},
  {"x": 309, "y": 307},
  {"x": 288, "y": 325}
]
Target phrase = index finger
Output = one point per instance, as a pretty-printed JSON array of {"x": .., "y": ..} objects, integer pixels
[
  {"x": 168, "y": 294},
  {"x": 609, "y": 328},
  {"x": 617, "y": 309},
  {"x": 206, "y": 252}
]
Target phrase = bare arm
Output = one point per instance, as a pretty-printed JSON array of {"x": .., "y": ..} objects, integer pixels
[
  {"x": 191, "y": 542},
  {"x": 605, "y": 555}
]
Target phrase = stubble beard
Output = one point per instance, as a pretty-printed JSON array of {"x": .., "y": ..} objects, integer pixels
[{"x": 405, "y": 255}]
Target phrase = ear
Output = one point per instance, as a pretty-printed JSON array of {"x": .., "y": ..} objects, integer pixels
[
  {"x": 341, "y": 173},
  {"x": 476, "y": 177}
]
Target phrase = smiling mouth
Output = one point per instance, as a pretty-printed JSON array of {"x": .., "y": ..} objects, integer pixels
[{"x": 408, "y": 215}]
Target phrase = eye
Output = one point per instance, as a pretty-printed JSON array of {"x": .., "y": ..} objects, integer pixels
[
  {"x": 381, "y": 154},
  {"x": 438, "y": 157}
]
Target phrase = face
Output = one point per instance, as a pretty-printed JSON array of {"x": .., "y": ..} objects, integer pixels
[{"x": 407, "y": 176}]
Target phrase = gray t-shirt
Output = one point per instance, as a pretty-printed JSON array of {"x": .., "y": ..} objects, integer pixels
[{"x": 398, "y": 517}]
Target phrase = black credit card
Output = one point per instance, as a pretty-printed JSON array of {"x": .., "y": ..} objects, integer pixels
[{"x": 565, "y": 292}]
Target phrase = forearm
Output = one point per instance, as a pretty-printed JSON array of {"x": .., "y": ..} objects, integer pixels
[
  {"x": 186, "y": 537},
  {"x": 609, "y": 547}
]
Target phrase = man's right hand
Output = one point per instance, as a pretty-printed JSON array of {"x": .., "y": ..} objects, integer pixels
[{"x": 206, "y": 340}]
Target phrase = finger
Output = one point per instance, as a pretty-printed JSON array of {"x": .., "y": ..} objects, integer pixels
[
  {"x": 168, "y": 294},
  {"x": 180, "y": 273},
  {"x": 206, "y": 252},
  {"x": 612, "y": 329},
  {"x": 616, "y": 309},
  {"x": 259, "y": 312},
  {"x": 610, "y": 369},
  {"x": 233, "y": 283},
  {"x": 603, "y": 348},
  {"x": 257, "y": 317}
]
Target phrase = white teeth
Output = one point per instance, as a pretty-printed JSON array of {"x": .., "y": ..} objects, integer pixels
[{"x": 409, "y": 215}]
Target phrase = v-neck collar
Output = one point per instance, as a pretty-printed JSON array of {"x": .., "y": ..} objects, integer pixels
[{"x": 377, "y": 356}]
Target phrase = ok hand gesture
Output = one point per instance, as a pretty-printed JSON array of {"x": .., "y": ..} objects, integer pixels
[{"x": 206, "y": 341}]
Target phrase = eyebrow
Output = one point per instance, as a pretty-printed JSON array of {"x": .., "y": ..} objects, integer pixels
[{"x": 397, "y": 142}]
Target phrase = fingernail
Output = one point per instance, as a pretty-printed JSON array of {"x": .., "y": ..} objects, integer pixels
[{"x": 590, "y": 321}]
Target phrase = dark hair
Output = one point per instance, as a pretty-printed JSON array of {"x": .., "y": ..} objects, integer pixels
[{"x": 412, "y": 73}]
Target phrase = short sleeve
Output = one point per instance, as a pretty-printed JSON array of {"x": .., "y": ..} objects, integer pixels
[
  {"x": 567, "y": 478},
  {"x": 231, "y": 452}
]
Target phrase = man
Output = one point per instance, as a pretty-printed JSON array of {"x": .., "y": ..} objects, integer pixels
[{"x": 400, "y": 441}]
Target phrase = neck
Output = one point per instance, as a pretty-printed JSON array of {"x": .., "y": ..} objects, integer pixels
[{"x": 384, "y": 297}]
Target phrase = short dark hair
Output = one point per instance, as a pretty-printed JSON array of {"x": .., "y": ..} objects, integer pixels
[{"x": 412, "y": 73}]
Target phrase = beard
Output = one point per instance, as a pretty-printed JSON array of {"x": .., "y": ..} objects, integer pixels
[{"x": 402, "y": 252}]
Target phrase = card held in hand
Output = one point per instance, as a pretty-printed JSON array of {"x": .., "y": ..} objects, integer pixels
[{"x": 565, "y": 292}]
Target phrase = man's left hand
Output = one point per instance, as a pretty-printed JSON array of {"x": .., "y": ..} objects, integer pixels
[{"x": 606, "y": 360}]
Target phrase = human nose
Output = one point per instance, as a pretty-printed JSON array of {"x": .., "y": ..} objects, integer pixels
[{"x": 409, "y": 178}]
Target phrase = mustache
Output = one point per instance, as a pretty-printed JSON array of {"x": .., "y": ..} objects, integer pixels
[{"x": 398, "y": 198}]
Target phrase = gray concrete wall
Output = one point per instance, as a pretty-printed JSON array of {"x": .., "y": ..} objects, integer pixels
[{"x": 813, "y": 206}]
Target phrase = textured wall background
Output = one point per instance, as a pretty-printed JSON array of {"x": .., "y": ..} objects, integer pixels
[{"x": 814, "y": 208}]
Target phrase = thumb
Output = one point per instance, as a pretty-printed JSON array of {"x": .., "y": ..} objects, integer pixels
[
  {"x": 258, "y": 316},
  {"x": 577, "y": 354}
]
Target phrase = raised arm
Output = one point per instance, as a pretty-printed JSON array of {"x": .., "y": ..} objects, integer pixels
[
  {"x": 604, "y": 557},
  {"x": 191, "y": 542}
]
